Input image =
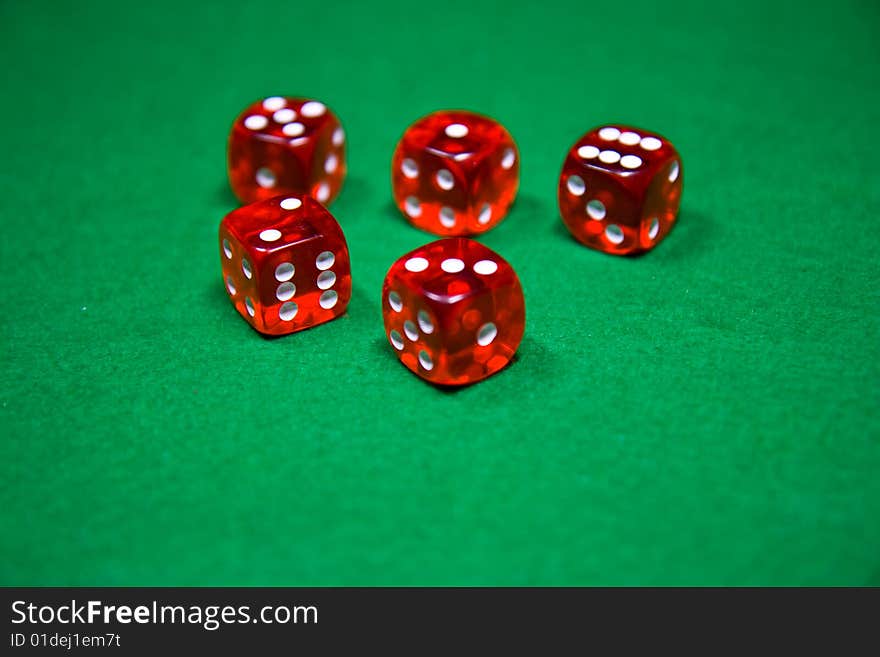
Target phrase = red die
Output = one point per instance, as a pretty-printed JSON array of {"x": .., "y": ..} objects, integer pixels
[
  {"x": 287, "y": 146},
  {"x": 285, "y": 264},
  {"x": 453, "y": 311},
  {"x": 620, "y": 189},
  {"x": 455, "y": 173}
]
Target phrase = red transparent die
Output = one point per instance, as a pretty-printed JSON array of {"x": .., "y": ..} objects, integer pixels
[
  {"x": 454, "y": 311},
  {"x": 455, "y": 173},
  {"x": 620, "y": 189},
  {"x": 285, "y": 264},
  {"x": 291, "y": 146}
]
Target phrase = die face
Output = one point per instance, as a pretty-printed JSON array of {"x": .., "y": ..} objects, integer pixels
[
  {"x": 454, "y": 311},
  {"x": 620, "y": 189},
  {"x": 285, "y": 264},
  {"x": 455, "y": 173},
  {"x": 291, "y": 146},
  {"x": 662, "y": 200}
]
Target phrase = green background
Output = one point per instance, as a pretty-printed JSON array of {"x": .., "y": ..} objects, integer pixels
[{"x": 705, "y": 414}]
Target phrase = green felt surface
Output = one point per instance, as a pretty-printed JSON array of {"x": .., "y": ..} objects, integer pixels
[{"x": 705, "y": 414}]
